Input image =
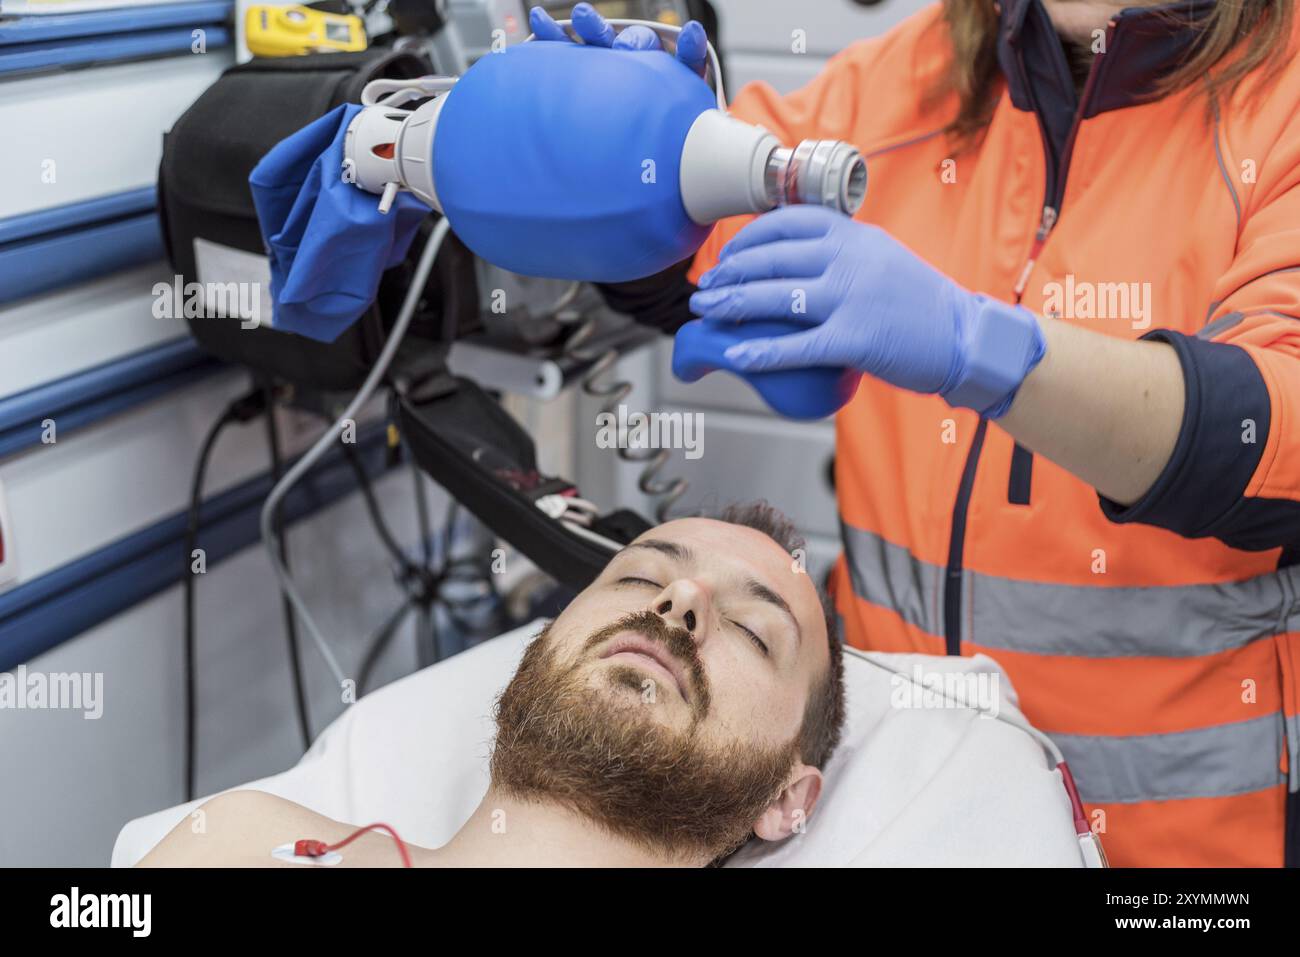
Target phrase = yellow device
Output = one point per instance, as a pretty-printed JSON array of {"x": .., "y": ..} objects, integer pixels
[{"x": 290, "y": 31}]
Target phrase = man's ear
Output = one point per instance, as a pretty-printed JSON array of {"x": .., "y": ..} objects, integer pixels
[{"x": 789, "y": 813}]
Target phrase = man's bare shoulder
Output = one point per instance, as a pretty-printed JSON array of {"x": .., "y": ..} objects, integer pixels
[{"x": 241, "y": 828}]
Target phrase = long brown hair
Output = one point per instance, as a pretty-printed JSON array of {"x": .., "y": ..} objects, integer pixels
[{"x": 1235, "y": 38}]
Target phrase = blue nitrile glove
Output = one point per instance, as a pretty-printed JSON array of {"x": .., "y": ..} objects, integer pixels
[
  {"x": 692, "y": 44},
  {"x": 870, "y": 304},
  {"x": 326, "y": 238}
]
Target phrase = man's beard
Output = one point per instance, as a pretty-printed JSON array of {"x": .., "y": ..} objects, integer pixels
[{"x": 560, "y": 740}]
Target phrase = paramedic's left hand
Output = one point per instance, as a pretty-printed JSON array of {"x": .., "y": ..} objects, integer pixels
[
  {"x": 867, "y": 303},
  {"x": 692, "y": 44}
]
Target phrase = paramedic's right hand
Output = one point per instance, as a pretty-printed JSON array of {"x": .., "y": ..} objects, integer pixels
[
  {"x": 866, "y": 302},
  {"x": 692, "y": 44}
]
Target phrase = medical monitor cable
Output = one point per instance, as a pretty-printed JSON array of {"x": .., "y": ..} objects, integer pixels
[
  {"x": 418, "y": 578},
  {"x": 240, "y": 410},
  {"x": 300, "y": 468},
  {"x": 376, "y": 515},
  {"x": 290, "y": 623},
  {"x": 452, "y": 568}
]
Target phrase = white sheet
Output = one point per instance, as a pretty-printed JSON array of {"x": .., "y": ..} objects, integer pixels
[{"x": 907, "y": 787}]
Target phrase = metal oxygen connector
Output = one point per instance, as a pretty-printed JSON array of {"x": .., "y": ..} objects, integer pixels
[{"x": 730, "y": 167}]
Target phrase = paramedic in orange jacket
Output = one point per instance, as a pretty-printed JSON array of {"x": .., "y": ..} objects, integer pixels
[{"x": 1075, "y": 289}]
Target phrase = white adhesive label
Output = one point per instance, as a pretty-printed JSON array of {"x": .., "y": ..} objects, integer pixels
[
  {"x": 234, "y": 284},
  {"x": 285, "y": 853}
]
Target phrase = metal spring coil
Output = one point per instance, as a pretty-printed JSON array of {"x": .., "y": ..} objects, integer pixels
[{"x": 667, "y": 491}]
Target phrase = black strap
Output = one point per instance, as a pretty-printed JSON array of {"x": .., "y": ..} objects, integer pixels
[
  {"x": 468, "y": 444},
  {"x": 1022, "y": 474}
]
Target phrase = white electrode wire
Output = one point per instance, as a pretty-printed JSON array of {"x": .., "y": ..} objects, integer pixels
[
  {"x": 671, "y": 31},
  {"x": 299, "y": 469},
  {"x": 581, "y": 505}
]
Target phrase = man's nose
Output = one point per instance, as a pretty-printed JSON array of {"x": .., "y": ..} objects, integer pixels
[{"x": 683, "y": 604}]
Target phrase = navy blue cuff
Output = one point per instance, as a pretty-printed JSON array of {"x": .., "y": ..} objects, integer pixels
[{"x": 1201, "y": 487}]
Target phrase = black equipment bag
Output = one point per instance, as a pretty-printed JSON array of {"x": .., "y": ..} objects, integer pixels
[{"x": 203, "y": 193}]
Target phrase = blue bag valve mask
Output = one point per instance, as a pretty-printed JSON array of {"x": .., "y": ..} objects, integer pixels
[
  {"x": 584, "y": 162},
  {"x": 560, "y": 160},
  {"x": 804, "y": 394}
]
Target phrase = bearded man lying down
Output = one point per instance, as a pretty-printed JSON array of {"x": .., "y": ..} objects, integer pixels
[{"x": 682, "y": 703}]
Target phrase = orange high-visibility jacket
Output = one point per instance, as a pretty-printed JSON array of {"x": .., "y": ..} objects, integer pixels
[{"x": 1158, "y": 644}]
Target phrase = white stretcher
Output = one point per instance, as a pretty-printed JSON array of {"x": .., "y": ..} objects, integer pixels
[{"x": 929, "y": 786}]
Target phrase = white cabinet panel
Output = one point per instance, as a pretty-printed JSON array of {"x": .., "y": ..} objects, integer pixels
[
  {"x": 45, "y": 338},
  {"x": 750, "y": 457},
  {"x": 79, "y": 134}
]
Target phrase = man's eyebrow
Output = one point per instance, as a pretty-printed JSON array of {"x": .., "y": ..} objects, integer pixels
[
  {"x": 760, "y": 591},
  {"x": 674, "y": 551}
]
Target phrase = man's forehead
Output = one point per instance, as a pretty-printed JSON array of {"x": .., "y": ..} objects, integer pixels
[{"x": 697, "y": 535}]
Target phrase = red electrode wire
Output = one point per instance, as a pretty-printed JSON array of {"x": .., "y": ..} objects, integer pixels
[
  {"x": 306, "y": 847},
  {"x": 1076, "y": 803}
]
